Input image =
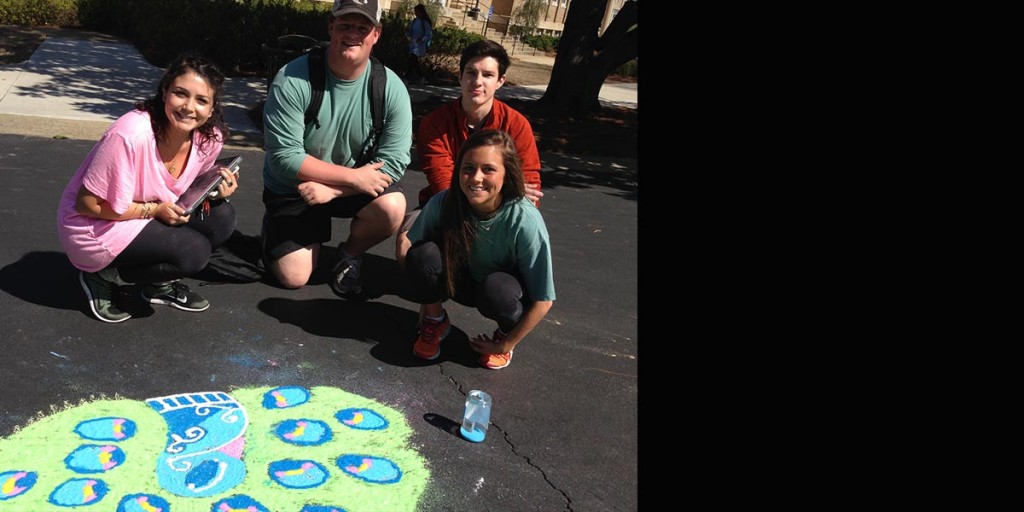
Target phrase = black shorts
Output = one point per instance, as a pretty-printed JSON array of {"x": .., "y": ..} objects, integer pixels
[{"x": 289, "y": 219}]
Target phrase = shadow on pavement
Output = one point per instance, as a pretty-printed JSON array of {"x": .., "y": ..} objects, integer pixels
[
  {"x": 443, "y": 423},
  {"x": 392, "y": 329},
  {"x": 588, "y": 172},
  {"x": 48, "y": 279},
  {"x": 44, "y": 278}
]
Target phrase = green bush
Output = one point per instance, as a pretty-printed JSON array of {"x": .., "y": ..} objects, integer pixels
[
  {"x": 541, "y": 42},
  {"x": 38, "y": 12},
  {"x": 230, "y": 32},
  {"x": 392, "y": 45},
  {"x": 234, "y": 35},
  {"x": 445, "y": 51},
  {"x": 627, "y": 69},
  {"x": 103, "y": 16},
  {"x": 442, "y": 56}
]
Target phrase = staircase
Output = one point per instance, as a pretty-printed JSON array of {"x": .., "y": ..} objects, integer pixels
[{"x": 509, "y": 42}]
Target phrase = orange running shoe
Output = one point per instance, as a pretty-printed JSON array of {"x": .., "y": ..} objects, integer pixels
[
  {"x": 428, "y": 342},
  {"x": 496, "y": 361}
]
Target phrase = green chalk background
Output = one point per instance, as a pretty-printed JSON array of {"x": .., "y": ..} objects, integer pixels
[{"x": 42, "y": 445}]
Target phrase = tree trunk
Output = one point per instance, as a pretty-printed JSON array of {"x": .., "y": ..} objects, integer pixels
[{"x": 584, "y": 60}]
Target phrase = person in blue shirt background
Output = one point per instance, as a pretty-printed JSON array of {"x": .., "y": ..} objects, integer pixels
[{"x": 420, "y": 32}]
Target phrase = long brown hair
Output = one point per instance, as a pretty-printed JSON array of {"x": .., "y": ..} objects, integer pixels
[
  {"x": 458, "y": 220},
  {"x": 207, "y": 71},
  {"x": 421, "y": 12}
]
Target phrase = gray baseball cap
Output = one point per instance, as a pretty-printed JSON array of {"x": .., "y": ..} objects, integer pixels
[{"x": 368, "y": 8}]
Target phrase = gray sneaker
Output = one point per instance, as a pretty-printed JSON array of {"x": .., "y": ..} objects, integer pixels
[
  {"x": 174, "y": 294},
  {"x": 345, "y": 280},
  {"x": 101, "y": 294}
]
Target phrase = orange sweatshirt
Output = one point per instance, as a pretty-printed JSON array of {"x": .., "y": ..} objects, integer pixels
[{"x": 443, "y": 131}]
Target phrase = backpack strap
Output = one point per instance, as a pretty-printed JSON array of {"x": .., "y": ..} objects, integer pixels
[
  {"x": 318, "y": 81},
  {"x": 378, "y": 83}
]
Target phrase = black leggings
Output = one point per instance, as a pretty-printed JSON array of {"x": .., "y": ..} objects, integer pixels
[
  {"x": 163, "y": 253},
  {"x": 499, "y": 297}
]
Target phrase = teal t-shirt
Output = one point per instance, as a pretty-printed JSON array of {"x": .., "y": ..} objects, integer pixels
[
  {"x": 345, "y": 124},
  {"x": 514, "y": 239}
]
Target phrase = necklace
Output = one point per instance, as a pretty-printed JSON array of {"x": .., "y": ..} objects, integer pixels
[
  {"x": 483, "y": 220},
  {"x": 171, "y": 166}
]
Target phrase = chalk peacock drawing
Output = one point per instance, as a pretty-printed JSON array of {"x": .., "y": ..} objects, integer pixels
[{"x": 280, "y": 449}]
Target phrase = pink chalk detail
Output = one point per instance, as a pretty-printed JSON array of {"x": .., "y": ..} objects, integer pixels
[{"x": 234, "y": 448}]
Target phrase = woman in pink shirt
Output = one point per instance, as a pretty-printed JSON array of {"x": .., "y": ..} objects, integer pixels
[{"x": 117, "y": 219}]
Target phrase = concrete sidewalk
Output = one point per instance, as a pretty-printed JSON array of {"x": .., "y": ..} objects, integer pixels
[
  {"x": 619, "y": 94},
  {"x": 84, "y": 81}
]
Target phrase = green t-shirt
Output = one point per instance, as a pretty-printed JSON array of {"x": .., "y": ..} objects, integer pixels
[
  {"x": 514, "y": 240},
  {"x": 346, "y": 122}
]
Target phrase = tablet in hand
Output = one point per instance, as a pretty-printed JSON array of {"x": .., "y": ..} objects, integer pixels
[{"x": 206, "y": 184}]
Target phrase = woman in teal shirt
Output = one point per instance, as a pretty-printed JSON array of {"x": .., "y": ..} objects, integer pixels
[{"x": 483, "y": 244}]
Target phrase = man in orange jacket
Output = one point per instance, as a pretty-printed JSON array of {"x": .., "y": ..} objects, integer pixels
[{"x": 443, "y": 131}]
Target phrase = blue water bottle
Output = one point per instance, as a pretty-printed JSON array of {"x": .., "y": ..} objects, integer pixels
[{"x": 477, "y": 417}]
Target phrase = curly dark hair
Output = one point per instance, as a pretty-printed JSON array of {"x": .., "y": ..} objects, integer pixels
[
  {"x": 206, "y": 70},
  {"x": 458, "y": 220}
]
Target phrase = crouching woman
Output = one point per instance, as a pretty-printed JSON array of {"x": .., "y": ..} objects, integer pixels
[
  {"x": 117, "y": 219},
  {"x": 484, "y": 245}
]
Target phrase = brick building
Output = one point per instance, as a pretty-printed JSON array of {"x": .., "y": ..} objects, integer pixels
[{"x": 460, "y": 13}]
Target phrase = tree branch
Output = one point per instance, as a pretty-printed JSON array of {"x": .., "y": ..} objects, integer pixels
[
  {"x": 620, "y": 25},
  {"x": 625, "y": 50}
]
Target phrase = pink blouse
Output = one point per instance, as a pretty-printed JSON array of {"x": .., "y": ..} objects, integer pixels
[{"x": 123, "y": 167}]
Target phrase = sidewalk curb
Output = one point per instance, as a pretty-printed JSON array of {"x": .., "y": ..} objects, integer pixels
[{"x": 78, "y": 129}]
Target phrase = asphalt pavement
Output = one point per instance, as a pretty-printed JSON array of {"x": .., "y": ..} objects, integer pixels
[{"x": 564, "y": 419}]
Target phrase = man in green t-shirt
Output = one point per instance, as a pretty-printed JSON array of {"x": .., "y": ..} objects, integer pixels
[{"x": 311, "y": 174}]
